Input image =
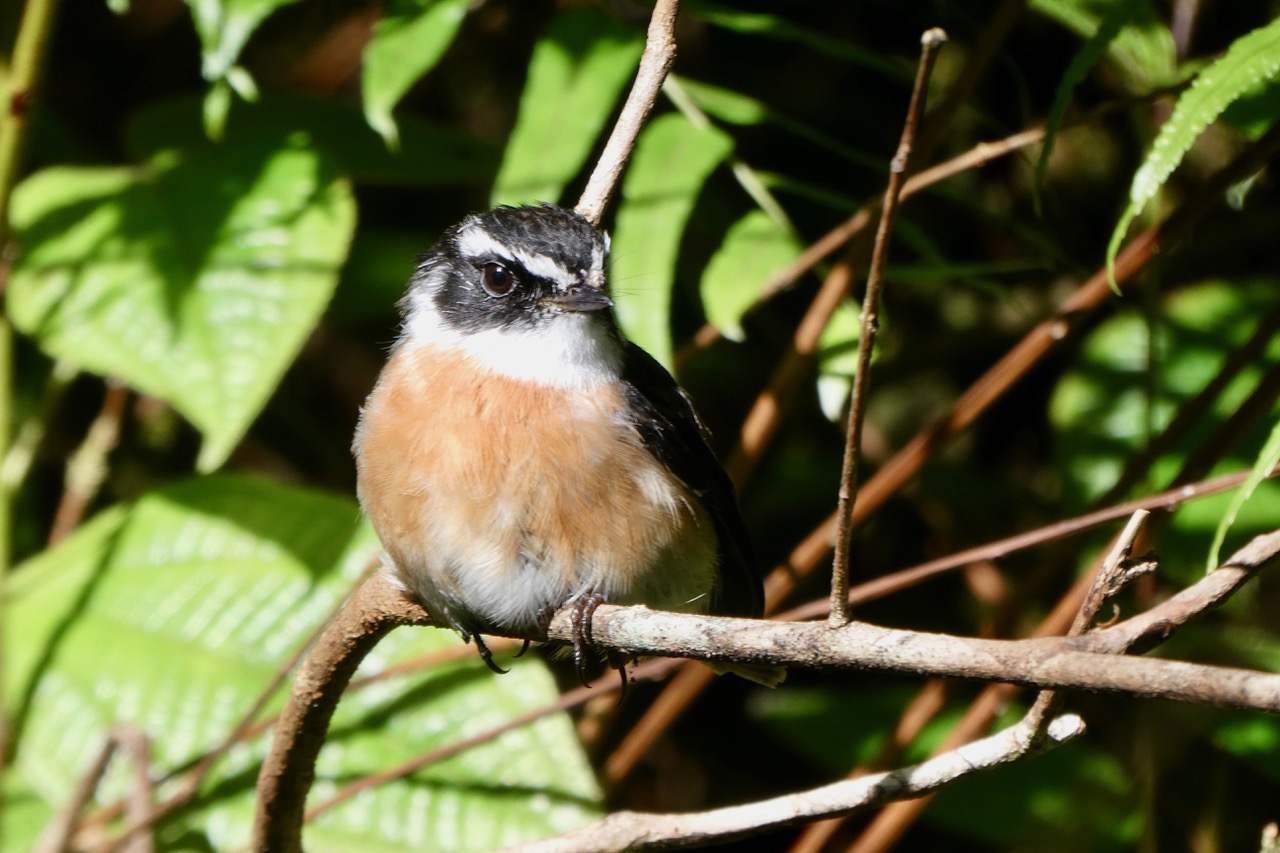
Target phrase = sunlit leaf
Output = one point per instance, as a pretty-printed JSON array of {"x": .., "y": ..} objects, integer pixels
[
  {"x": 753, "y": 249},
  {"x": 173, "y": 614},
  {"x": 1267, "y": 459},
  {"x": 406, "y": 44},
  {"x": 672, "y": 161},
  {"x": 838, "y": 358},
  {"x": 578, "y": 72},
  {"x": 1249, "y": 65},
  {"x": 195, "y": 279}
]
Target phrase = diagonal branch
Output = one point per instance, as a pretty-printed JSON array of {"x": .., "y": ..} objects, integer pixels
[
  {"x": 655, "y": 62},
  {"x": 639, "y": 831}
]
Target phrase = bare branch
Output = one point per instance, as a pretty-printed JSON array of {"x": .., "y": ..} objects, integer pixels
[
  {"x": 930, "y": 43},
  {"x": 287, "y": 774},
  {"x": 639, "y": 831},
  {"x": 655, "y": 62}
]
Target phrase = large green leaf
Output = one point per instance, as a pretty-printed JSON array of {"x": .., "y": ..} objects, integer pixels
[
  {"x": 577, "y": 73},
  {"x": 754, "y": 248},
  {"x": 173, "y": 614},
  {"x": 406, "y": 44},
  {"x": 195, "y": 279},
  {"x": 672, "y": 160},
  {"x": 1248, "y": 66}
]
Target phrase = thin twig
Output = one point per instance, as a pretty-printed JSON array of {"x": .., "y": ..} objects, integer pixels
[
  {"x": 196, "y": 771},
  {"x": 655, "y": 62},
  {"x": 623, "y": 831},
  {"x": 930, "y": 43},
  {"x": 578, "y": 696},
  {"x": 87, "y": 466},
  {"x": 904, "y": 578},
  {"x": 57, "y": 836}
]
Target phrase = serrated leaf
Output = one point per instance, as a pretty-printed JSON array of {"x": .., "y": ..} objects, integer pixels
[
  {"x": 406, "y": 44},
  {"x": 1267, "y": 459},
  {"x": 1251, "y": 63},
  {"x": 577, "y": 74},
  {"x": 754, "y": 248},
  {"x": 173, "y": 614},
  {"x": 672, "y": 161},
  {"x": 195, "y": 279}
]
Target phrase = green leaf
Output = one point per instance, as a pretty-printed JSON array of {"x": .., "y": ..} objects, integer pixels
[
  {"x": 195, "y": 279},
  {"x": 838, "y": 358},
  {"x": 406, "y": 44},
  {"x": 173, "y": 615},
  {"x": 576, "y": 76},
  {"x": 429, "y": 155},
  {"x": 224, "y": 27},
  {"x": 1249, "y": 65},
  {"x": 772, "y": 26},
  {"x": 753, "y": 249},
  {"x": 1094, "y": 48},
  {"x": 1267, "y": 459},
  {"x": 672, "y": 161},
  {"x": 724, "y": 104},
  {"x": 1143, "y": 49}
]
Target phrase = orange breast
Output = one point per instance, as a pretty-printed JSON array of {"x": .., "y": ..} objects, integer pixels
[{"x": 499, "y": 500}]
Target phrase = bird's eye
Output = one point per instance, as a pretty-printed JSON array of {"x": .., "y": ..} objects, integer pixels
[{"x": 497, "y": 279}]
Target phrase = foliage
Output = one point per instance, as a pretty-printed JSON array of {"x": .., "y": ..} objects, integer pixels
[{"x": 208, "y": 220}]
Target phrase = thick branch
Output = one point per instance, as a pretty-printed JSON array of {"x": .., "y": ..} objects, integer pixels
[
  {"x": 1043, "y": 662},
  {"x": 289, "y": 770}
]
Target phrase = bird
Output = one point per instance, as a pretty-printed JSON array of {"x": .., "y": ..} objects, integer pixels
[{"x": 518, "y": 454}]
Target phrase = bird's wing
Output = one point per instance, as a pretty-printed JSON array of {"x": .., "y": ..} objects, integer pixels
[{"x": 671, "y": 430}]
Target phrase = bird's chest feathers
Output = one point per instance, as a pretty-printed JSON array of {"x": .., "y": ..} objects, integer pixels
[{"x": 467, "y": 473}]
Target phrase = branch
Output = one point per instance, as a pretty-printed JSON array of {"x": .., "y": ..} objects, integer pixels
[
  {"x": 655, "y": 62},
  {"x": 639, "y": 831},
  {"x": 930, "y": 44},
  {"x": 1082, "y": 663},
  {"x": 287, "y": 774}
]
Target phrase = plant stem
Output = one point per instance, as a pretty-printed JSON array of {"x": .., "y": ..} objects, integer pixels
[{"x": 17, "y": 94}]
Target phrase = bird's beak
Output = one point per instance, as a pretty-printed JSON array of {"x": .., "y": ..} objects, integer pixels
[{"x": 582, "y": 298}]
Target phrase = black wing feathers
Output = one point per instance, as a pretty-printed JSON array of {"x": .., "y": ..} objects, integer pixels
[{"x": 673, "y": 433}]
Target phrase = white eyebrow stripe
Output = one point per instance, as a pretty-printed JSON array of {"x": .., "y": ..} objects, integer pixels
[{"x": 475, "y": 242}]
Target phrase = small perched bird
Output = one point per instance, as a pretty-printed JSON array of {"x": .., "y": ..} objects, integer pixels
[{"x": 518, "y": 454}]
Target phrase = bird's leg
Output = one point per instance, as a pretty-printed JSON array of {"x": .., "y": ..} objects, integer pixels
[
  {"x": 486, "y": 655},
  {"x": 583, "y": 609}
]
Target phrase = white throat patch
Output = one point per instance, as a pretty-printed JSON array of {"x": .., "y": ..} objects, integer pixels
[{"x": 568, "y": 351}]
